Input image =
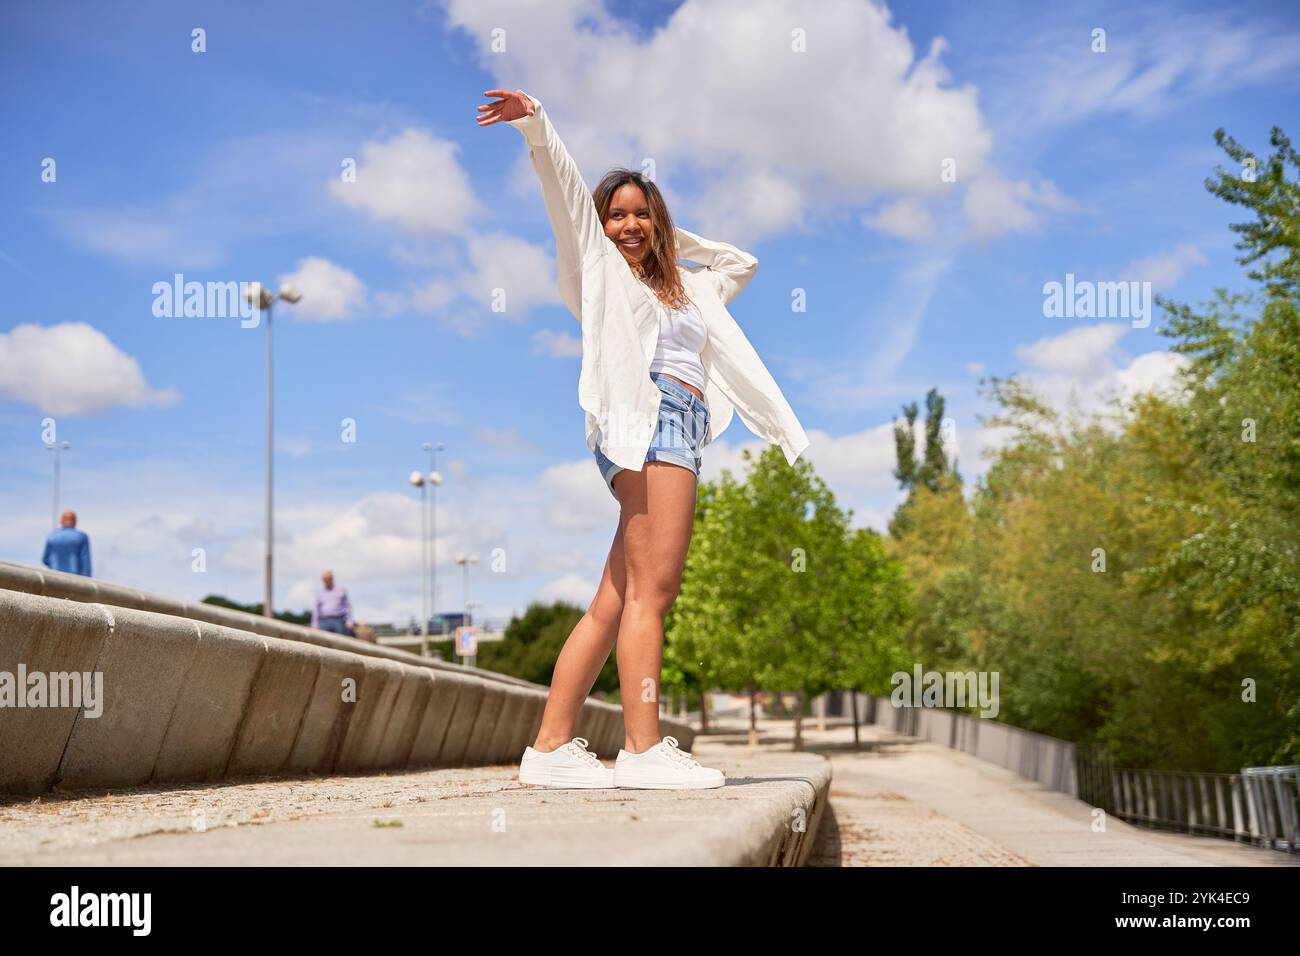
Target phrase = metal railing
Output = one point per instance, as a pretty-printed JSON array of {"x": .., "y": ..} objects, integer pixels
[{"x": 1259, "y": 806}]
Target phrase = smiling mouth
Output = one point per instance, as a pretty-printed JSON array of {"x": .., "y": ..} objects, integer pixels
[{"x": 632, "y": 243}]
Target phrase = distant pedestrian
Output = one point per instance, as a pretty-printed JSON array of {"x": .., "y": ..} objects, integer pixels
[
  {"x": 332, "y": 610},
  {"x": 68, "y": 549}
]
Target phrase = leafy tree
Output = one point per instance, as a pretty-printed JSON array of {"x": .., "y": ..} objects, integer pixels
[
  {"x": 778, "y": 592},
  {"x": 1134, "y": 575},
  {"x": 1262, "y": 187},
  {"x": 532, "y": 642},
  {"x": 932, "y": 471}
]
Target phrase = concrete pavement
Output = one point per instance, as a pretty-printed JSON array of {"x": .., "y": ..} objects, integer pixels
[
  {"x": 477, "y": 817},
  {"x": 906, "y": 802}
]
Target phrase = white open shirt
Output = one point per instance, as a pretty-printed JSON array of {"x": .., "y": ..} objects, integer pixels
[{"x": 620, "y": 321}]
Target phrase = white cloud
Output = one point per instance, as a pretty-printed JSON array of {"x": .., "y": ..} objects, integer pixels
[
  {"x": 429, "y": 404},
  {"x": 1164, "y": 269},
  {"x": 861, "y": 462},
  {"x": 505, "y": 276},
  {"x": 556, "y": 344},
  {"x": 260, "y": 185},
  {"x": 504, "y": 264},
  {"x": 412, "y": 179},
  {"x": 574, "y": 588},
  {"x": 140, "y": 236},
  {"x": 146, "y": 516},
  {"x": 1157, "y": 57},
  {"x": 905, "y": 218},
  {"x": 294, "y": 446},
  {"x": 773, "y": 203},
  {"x": 506, "y": 441},
  {"x": 73, "y": 369},
  {"x": 766, "y": 160},
  {"x": 1077, "y": 351},
  {"x": 857, "y": 467},
  {"x": 329, "y": 291},
  {"x": 994, "y": 205},
  {"x": 1085, "y": 367},
  {"x": 1150, "y": 372}
]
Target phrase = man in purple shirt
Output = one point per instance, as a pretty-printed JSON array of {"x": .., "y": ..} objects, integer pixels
[
  {"x": 332, "y": 610},
  {"x": 68, "y": 549}
]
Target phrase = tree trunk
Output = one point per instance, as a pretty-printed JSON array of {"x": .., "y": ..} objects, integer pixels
[
  {"x": 798, "y": 720},
  {"x": 853, "y": 700},
  {"x": 704, "y": 710},
  {"x": 753, "y": 722}
]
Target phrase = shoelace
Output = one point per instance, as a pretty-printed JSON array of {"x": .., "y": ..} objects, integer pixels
[
  {"x": 578, "y": 747},
  {"x": 680, "y": 756}
]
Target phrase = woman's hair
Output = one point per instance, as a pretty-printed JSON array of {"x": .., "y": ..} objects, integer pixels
[{"x": 660, "y": 267}]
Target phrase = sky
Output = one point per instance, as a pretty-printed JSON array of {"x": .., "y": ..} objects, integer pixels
[{"x": 911, "y": 177}]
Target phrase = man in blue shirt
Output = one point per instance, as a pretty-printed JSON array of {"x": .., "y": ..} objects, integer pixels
[{"x": 68, "y": 549}]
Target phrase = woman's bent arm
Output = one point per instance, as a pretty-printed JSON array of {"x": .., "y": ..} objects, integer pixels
[{"x": 730, "y": 267}]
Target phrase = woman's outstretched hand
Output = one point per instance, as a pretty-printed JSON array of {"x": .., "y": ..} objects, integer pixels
[{"x": 513, "y": 105}]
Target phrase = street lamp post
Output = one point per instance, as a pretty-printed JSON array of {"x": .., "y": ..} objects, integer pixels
[
  {"x": 465, "y": 561},
  {"x": 54, "y": 447},
  {"x": 260, "y": 296},
  {"x": 418, "y": 481},
  {"x": 435, "y": 480}
]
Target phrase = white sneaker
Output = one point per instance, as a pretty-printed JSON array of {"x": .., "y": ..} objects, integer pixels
[
  {"x": 571, "y": 766},
  {"x": 664, "y": 767}
]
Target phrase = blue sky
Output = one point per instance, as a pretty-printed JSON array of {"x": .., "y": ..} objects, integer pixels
[{"x": 810, "y": 135}]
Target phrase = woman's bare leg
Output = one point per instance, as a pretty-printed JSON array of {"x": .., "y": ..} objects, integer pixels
[
  {"x": 584, "y": 653},
  {"x": 658, "y": 513}
]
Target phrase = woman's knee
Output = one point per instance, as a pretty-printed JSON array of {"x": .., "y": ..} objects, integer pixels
[
  {"x": 606, "y": 608},
  {"x": 655, "y": 599}
]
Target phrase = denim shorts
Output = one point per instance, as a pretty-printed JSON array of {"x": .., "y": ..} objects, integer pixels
[{"x": 683, "y": 423}]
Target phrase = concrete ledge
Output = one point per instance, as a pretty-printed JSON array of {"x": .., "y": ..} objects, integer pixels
[
  {"x": 501, "y": 743},
  {"x": 32, "y": 740},
  {"x": 329, "y": 712},
  {"x": 768, "y": 814},
  {"x": 276, "y": 706},
  {"x": 214, "y": 696},
  {"x": 145, "y": 663},
  {"x": 413, "y": 696},
  {"x": 461, "y": 725},
  {"x": 479, "y": 750},
  {"x": 194, "y": 698},
  {"x": 376, "y": 698},
  {"x": 74, "y": 587}
]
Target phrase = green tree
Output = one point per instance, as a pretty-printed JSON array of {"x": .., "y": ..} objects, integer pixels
[
  {"x": 532, "y": 642},
  {"x": 773, "y": 590},
  {"x": 932, "y": 471}
]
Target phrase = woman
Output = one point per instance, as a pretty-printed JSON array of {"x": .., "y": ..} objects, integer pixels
[{"x": 663, "y": 366}]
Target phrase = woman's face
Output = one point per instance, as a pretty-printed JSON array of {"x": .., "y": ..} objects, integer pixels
[{"x": 629, "y": 223}]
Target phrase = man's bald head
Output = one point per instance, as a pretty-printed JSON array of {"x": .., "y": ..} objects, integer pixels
[
  {"x": 328, "y": 578},
  {"x": 68, "y": 519}
]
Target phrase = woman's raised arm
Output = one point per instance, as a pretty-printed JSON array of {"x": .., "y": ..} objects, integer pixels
[{"x": 572, "y": 211}]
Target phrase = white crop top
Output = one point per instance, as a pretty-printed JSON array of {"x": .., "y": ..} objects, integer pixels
[{"x": 682, "y": 335}]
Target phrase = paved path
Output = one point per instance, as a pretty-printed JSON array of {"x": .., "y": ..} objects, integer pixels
[{"x": 906, "y": 802}]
